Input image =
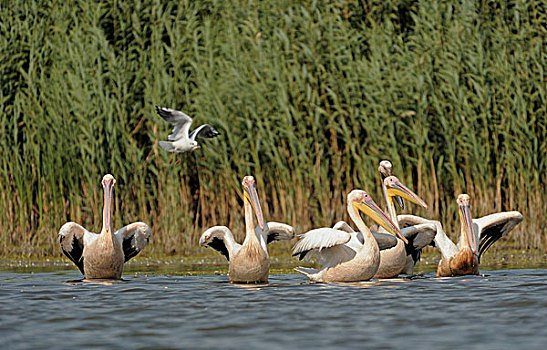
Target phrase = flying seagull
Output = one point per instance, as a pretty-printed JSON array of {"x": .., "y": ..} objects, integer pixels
[{"x": 181, "y": 141}]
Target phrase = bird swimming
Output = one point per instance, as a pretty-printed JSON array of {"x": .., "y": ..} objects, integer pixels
[
  {"x": 396, "y": 255},
  {"x": 344, "y": 258},
  {"x": 249, "y": 262},
  {"x": 181, "y": 139},
  {"x": 476, "y": 236},
  {"x": 101, "y": 256},
  {"x": 418, "y": 236}
]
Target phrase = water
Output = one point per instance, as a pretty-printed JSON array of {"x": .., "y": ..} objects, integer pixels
[{"x": 504, "y": 309}]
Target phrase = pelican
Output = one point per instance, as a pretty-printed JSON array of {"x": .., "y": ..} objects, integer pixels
[
  {"x": 101, "y": 256},
  {"x": 249, "y": 262},
  {"x": 344, "y": 258},
  {"x": 396, "y": 253},
  {"x": 386, "y": 169},
  {"x": 418, "y": 236},
  {"x": 181, "y": 140},
  {"x": 476, "y": 236}
]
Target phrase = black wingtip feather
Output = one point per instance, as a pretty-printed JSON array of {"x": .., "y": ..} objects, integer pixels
[{"x": 301, "y": 255}]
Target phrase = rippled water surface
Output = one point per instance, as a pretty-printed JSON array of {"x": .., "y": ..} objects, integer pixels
[{"x": 504, "y": 309}]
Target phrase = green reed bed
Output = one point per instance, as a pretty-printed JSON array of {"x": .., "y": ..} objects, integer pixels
[{"x": 309, "y": 97}]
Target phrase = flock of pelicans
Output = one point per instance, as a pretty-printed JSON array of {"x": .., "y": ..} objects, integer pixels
[{"x": 390, "y": 248}]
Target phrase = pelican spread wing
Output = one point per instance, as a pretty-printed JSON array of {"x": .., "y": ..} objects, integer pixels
[
  {"x": 204, "y": 131},
  {"x": 329, "y": 246},
  {"x": 343, "y": 226},
  {"x": 419, "y": 236},
  {"x": 134, "y": 237},
  {"x": 410, "y": 220},
  {"x": 71, "y": 238},
  {"x": 492, "y": 227},
  {"x": 276, "y": 231},
  {"x": 180, "y": 120},
  {"x": 221, "y": 239},
  {"x": 384, "y": 240}
]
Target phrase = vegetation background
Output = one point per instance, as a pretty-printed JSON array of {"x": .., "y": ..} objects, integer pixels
[{"x": 309, "y": 96}]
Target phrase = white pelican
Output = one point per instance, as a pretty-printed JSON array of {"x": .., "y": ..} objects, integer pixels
[
  {"x": 475, "y": 239},
  {"x": 181, "y": 140},
  {"x": 249, "y": 262},
  {"x": 418, "y": 236},
  {"x": 386, "y": 169},
  {"x": 343, "y": 257},
  {"x": 101, "y": 256},
  {"x": 396, "y": 254}
]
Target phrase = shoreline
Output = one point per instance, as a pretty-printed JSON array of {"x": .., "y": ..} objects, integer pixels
[{"x": 191, "y": 265}]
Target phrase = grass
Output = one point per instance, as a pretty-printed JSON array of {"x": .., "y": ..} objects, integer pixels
[{"x": 308, "y": 97}]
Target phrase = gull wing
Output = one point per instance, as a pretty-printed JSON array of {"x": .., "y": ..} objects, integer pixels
[
  {"x": 204, "y": 131},
  {"x": 180, "y": 120}
]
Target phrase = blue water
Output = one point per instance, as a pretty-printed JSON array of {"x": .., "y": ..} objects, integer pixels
[{"x": 504, "y": 309}]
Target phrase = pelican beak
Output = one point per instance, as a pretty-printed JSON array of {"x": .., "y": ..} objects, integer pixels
[
  {"x": 468, "y": 228},
  {"x": 371, "y": 209},
  {"x": 251, "y": 196},
  {"x": 399, "y": 201},
  {"x": 396, "y": 188},
  {"x": 108, "y": 186},
  {"x": 196, "y": 147}
]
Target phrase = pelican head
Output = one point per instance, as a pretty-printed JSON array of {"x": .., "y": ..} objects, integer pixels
[
  {"x": 362, "y": 201},
  {"x": 396, "y": 188},
  {"x": 249, "y": 186},
  {"x": 468, "y": 231},
  {"x": 108, "y": 181},
  {"x": 386, "y": 169}
]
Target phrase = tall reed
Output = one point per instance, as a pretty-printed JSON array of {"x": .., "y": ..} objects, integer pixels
[{"x": 309, "y": 97}]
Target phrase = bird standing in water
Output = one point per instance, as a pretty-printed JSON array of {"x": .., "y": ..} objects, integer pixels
[
  {"x": 101, "y": 256},
  {"x": 476, "y": 236},
  {"x": 249, "y": 262}
]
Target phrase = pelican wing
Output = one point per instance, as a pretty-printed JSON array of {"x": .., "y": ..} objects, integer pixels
[
  {"x": 420, "y": 236},
  {"x": 71, "y": 238},
  {"x": 384, "y": 240},
  {"x": 204, "y": 131},
  {"x": 492, "y": 227},
  {"x": 221, "y": 239},
  {"x": 343, "y": 226},
  {"x": 180, "y": 120},
  {"x": 406, "y": 220},
  {"x": 440, "y": 241},
  {"x": 320, "y": 241},
  {"x": 276, "y": 231},
  {"x": 134, "y": 237},
  {"x": 335, "y": 255}
]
